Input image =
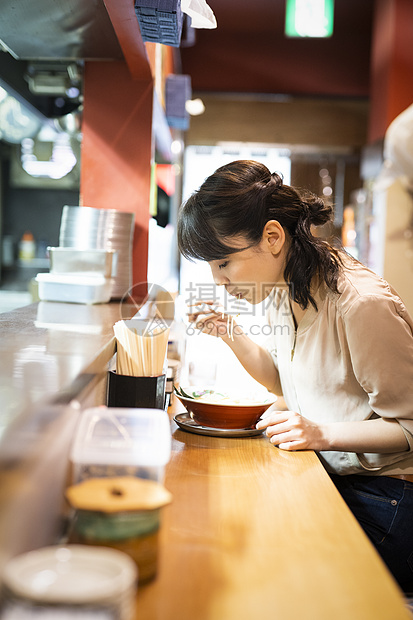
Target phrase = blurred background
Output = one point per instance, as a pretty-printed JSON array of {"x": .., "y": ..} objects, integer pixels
[{"x": 314, "y": 104}]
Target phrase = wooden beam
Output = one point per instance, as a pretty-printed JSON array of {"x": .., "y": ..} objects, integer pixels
[{"x": 125, "y": 23}]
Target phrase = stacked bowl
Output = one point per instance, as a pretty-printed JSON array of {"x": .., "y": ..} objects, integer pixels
[{"x": 87, "y": 228}]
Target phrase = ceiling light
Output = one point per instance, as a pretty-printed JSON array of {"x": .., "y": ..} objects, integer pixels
[
  {"x": 195, "y": 107},
  {"x": 176, "y": 147},
  {"x": 61, "y": 162},
  {"x": 73, "y": 92}
]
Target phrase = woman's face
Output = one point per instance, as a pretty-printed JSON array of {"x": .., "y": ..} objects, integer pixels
[{"x": 250, "y": 274}]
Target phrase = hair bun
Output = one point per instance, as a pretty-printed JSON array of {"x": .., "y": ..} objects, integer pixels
[
  {"x": 277, "y": 179},
  {"x": 316, "y": 210}
]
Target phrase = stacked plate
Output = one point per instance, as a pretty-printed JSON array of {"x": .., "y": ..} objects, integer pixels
[{"x": 87, "y": 228}]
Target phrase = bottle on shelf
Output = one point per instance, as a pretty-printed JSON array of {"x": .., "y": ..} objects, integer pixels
[{"x": 27, "y": 247}]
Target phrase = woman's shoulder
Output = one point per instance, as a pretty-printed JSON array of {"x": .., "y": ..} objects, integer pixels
[{"x": 360, "y": 288}]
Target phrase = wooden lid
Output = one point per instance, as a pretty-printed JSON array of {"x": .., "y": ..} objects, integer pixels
[{"x": 118, "y": 494}]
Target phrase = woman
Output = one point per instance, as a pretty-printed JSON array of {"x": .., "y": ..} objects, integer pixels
[{"x": 341, "y": 350}]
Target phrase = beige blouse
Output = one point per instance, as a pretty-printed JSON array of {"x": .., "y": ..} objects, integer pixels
[{"x": 350, "y": 360}]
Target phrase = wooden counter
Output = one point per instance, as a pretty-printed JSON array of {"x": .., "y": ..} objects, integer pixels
[
  {"x": 253, "y": 532},
  {"x": 257, "y": 533}
]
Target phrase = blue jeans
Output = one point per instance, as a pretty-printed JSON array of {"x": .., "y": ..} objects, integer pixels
[{"x": 384, "y": 508}]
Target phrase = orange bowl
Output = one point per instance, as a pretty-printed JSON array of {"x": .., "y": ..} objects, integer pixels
[{"x": 221, "y": 415}]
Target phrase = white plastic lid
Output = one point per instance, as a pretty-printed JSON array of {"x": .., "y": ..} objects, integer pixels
[
  {"x": 123, "y": 436},
  {"x": 73, "y": 278},
  {"x": 70, "y": 250},
  {"x": 71, "y": 574}
]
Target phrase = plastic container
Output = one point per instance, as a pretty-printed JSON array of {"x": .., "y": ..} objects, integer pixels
[
  {"x": 74, "y": 288},
  {"x": 121, "y": 442},
  {"x": 73, "y": 260},
  {"x": 73, "y": 581}
]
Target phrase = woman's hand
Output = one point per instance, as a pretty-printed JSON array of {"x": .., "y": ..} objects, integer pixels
[
  {"x": 210, "y": 318},
  {"x": 290, "y": 431}
]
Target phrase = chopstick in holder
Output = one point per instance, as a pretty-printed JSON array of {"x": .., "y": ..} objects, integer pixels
[{"x": 140, "y": 352}]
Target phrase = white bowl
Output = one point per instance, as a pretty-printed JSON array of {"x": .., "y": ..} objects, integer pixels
[{"x": 73, "y": 575}]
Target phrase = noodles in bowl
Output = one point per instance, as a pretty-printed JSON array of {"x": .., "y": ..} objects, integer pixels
[{"x": 218, "y": 410}]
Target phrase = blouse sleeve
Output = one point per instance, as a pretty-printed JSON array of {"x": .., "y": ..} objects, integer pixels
[{"x": 380, "y": 339}]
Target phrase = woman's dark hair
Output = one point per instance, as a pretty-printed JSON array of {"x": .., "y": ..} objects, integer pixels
[{"x": 239, "y": 199}]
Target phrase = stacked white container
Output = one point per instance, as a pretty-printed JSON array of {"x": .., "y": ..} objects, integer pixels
[
  {"x": 78, "y": 276},
  {"x": 88, "y": 228}
]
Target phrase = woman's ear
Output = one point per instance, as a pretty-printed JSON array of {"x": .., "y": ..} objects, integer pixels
[{"x": 274, "y": 236}]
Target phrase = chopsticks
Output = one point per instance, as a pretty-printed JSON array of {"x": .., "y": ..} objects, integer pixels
[
  {"x": 141, "y": 348},
  {"x": 209, "y": 310}
]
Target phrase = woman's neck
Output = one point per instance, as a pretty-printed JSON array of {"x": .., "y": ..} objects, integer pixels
[{"x": 297, "y": 312}]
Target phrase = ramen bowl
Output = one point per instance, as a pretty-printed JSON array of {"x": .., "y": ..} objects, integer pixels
[{"x": 217, "y": 410}]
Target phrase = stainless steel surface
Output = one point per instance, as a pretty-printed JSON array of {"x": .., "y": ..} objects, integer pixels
[
  {"x": 58, "y": 29},
  {"x": 44, "y": 347}
]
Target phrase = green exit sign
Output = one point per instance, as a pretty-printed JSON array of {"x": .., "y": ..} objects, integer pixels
[{"x": 309, "y": 18}]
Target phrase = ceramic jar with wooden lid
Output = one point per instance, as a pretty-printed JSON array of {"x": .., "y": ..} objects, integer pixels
[{"x": 123, "y": 513}]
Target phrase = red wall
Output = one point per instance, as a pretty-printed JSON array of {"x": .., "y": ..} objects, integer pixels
[
  {"x": 392, "y": 64},
  {"x": 117, "y": 148},
  {"x": 249, "y": 53}
]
